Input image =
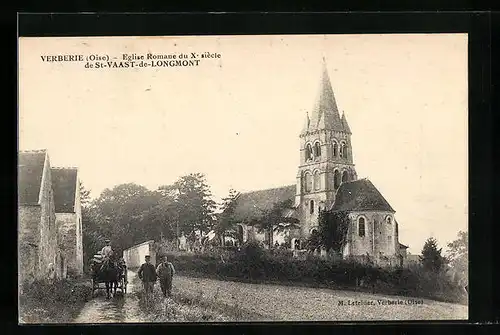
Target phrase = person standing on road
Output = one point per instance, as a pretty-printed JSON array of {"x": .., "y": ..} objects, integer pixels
[
  {"x": 147, "y": 274},
  {"x": 165, "y": 272}
]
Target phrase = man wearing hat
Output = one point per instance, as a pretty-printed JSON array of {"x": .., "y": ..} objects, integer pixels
[
  {"x": 147, "y": 273},
  {"x": 107, "y": 252},
  {"x": 165, "y": 272}
]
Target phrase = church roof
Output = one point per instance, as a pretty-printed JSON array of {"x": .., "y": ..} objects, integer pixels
[
  {"x": 345, "y": 124},
  {"x": 325, "y": 114},
  {"x": 251, "y": 205},
  {"x": 360, "y": 195},
  {"x": 30, "y": 171},
  {"x": 64, "y": 184}
]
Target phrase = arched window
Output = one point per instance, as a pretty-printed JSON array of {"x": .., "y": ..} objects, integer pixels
[
  {"x": 317, "y": 181},
  {"x": 345, "y": 177},
  {"x": 335, "y": 149},
  {"x": 308, "y": 182},
  {"x": 351, "y": 175},
  {"x": 361, "y": 227},
  {"x": 344, "y": 149},
  {"x": 341, "y": 153},
  {"x": 297, "y": 244},
  {"x": 309, "y": 153},
  {"x": 336, "y": 179},
  {"x": 388, "y": 219},
  {"x": 311, "y": 206},
  {"x": 317, "y": 149}
]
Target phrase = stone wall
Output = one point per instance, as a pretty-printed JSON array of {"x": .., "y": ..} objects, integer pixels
[
  {"x": 78, "y": 267},
  {"x": 380, "y": 237},
  {"x": 67, "y": 225},
  {"x": 28, "y": 241},
  {"x": 135, "y": 256},
  {"x": 48, "y": 245}
]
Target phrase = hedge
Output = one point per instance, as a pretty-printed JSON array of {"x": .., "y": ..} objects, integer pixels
[{"x": 255, "y": 265}]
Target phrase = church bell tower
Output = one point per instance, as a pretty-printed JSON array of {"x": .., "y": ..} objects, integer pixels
[{"x": 326, "y": 158}]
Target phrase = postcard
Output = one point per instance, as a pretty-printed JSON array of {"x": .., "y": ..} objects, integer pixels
[{"x": 243, "y": 178}]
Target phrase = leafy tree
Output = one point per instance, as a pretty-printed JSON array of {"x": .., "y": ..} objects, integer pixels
[
  {"x": 194, "y": 204},
  {"x": 225, "y": 221},
  {"x": 313, "y": 241},
  {"x": 431, "y": 258},
  {"x": 333, "y": 228},
  {"x": 273, "y": 220},
  {"x": 160, "y": 220},
  {"x": 84, "y": 195},
  {"x": 120, "y": 214},
  {"x": 92, "y": 236},
  {"x": 458, "y": 252}
]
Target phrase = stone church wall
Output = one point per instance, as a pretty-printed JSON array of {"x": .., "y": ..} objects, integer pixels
[{"x": 380, "y": 237}]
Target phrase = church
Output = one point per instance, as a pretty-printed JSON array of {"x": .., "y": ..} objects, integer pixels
[{"x": 326, "y": 180}]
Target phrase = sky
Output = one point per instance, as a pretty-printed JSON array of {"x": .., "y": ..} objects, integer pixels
[{"x": 237, "y": 118}]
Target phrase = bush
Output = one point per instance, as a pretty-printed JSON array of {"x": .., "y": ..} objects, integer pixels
[
  {"x": 254, "y": 263},
  {"x": 60, "y": 291}
]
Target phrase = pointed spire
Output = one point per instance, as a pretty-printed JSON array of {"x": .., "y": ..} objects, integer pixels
[
  {"x": 325, "y": 113},
  {"x": 345, "y": 124},
  {"x": 307, "y": 122}
]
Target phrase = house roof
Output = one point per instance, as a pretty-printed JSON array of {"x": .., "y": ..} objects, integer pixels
[
  {"x": 30, "y": 171},
  {"x": 64, "y": 184},
  {"x": 251, "y": 205},
  {"x": 401, "y": 245},
  {"x": 359, "y": 195}
]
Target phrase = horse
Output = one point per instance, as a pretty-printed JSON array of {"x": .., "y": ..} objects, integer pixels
[{"x": 110, "y": 272}]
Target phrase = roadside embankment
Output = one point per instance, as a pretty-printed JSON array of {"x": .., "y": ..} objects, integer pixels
[{"x": 57, "y": 302}]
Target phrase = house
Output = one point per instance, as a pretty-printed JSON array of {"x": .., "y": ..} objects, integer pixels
[
  {"x": 135, "y": 256},
  {"x": 66, "y": 185},
  {"x": 326, "y": 181},
  {"x": 38, "y": 252}
]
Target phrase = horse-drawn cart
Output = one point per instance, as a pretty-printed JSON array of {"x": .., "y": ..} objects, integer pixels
[{"x": 110, "y": 273}]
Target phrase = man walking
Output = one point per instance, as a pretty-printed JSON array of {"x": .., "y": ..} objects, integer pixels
[
  {"x": 147, "y": 274},
  {"x": 165, "y": 271}
]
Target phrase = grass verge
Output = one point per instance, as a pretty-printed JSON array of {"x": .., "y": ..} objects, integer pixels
[
  {"x": 59, "y": 302},
  {"x": 255, "y": 266},
  {"x": 192, "y": 306}
]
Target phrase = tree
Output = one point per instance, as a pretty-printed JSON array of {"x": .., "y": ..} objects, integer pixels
[
  {"x": 273, "y": 219},
  {"x": 92, "y": 236},
  {"x": 431, "y": 258},
  {"x": 120, "y": 213},
  {"x": 313, "y": 241},
  {"x": 160, "y": 220},
  {"x": 333, "y": 227},
  {"x": 458, "y": 254},
  {"x": 194, "y": 204},
  {"x": 225, "y": 221},
  {"x": 84, "y": 195}
]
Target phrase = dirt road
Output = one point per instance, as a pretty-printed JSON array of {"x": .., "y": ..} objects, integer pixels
[
  {"x": 287, "y": 303},
  {"x": 265, "y": 302},
  {"x": 119, "y": 309}
]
